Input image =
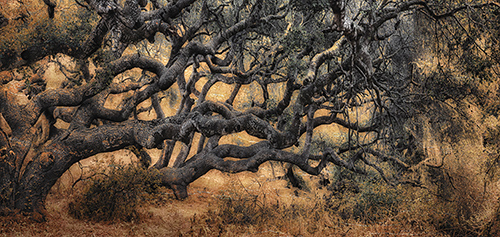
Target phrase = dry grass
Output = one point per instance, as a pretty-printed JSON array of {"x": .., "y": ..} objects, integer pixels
[
  {"x": 272, "y": 211},
  {"x": 258, "y": 204},
  {"x": 160, "y": 218}
]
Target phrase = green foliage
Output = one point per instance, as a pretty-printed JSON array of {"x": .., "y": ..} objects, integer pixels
[
  {"x": 478, "y": 67},
  {"x": 36, "y": 31},
  {"x": 295, "y": 39},
  {"x": 309, "y": 6},
  {"x": 369, "y": 202},
  {"x": 115, "y": 195},
  {"x": 376, "y": 202},
  {"x": 309, "y": 35}
]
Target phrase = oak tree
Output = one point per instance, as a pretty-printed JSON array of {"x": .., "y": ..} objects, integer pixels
[{"x": 313, "y": 68}]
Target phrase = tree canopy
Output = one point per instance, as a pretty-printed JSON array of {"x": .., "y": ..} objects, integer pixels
[{"x": 306, "y": 83}]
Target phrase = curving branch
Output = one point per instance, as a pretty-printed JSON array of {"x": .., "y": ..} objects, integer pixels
[
  {"x": 75, "y": 96},
  {"x": 51, "y": 5},
  {"x": 254, "y": 156},
  {"x": 343, "y": 69}
]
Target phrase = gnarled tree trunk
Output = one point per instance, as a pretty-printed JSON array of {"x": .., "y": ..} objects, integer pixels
[{"x": 311, "y": 72}]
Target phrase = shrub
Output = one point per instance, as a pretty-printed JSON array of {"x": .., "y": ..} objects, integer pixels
[
  {"x": 364, "y": 199},
  {"x": 262, "y": 212},
  {"x": 116, "y": 194}
]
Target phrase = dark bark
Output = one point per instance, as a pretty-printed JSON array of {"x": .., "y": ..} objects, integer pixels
[
  {"x": 51, "y": 5},
  {"x": 345, "y": 74},
  {"x": 3, "y": 20}
]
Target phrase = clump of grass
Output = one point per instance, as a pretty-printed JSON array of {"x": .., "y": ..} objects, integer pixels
[
  {"x": 370, "y": 204},
  {"x": 271, "y": 211},
  {"x": 262, "y": 212},
  {"x": 246, "y": 209},
  {"x": 116, "y": 194}
]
